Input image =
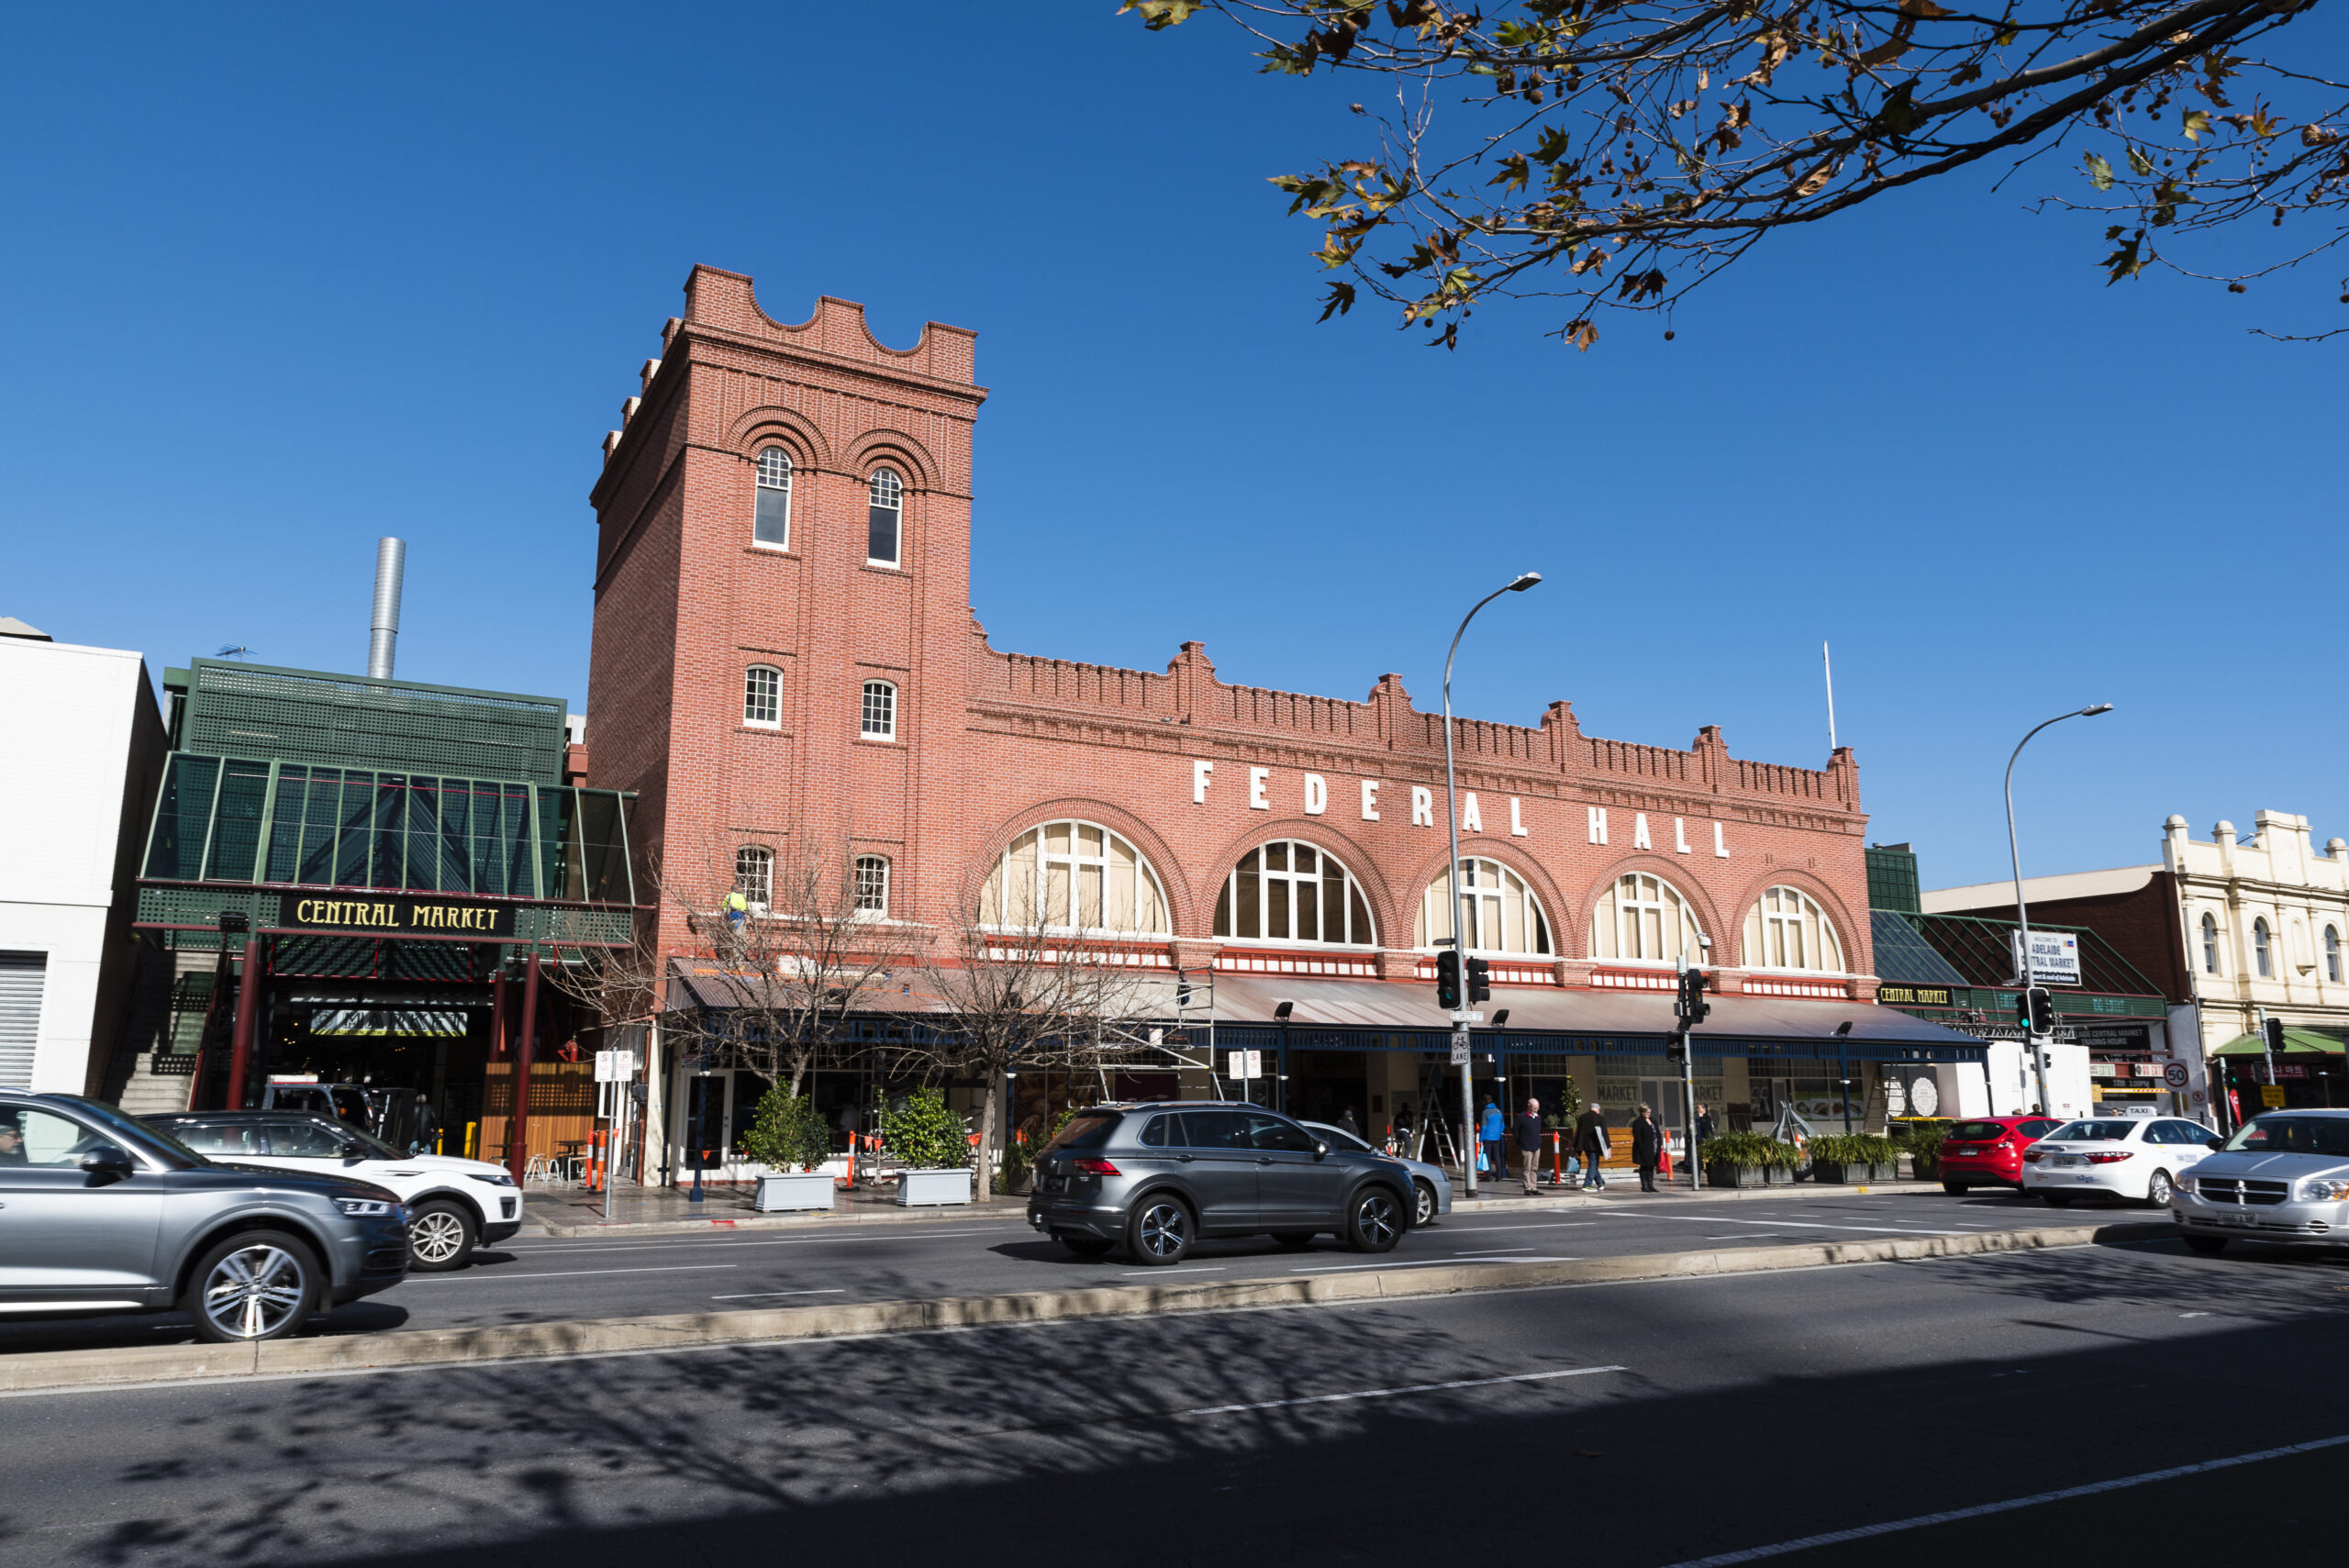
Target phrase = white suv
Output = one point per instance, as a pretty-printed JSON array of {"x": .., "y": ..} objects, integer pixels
[{"x": 454, "y": 1204}]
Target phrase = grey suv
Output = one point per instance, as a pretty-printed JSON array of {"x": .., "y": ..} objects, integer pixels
[
  {"x": 99, "y": 1214},
  {"x": 1155, "y": 1177}
]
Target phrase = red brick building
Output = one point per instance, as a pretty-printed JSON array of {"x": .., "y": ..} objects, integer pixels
[{"x": 786, "y": 653}]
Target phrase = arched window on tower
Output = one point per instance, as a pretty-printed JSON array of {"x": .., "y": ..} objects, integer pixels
[
  {"x": 1502, "y": 912},
  {"x": 754, "y": 877},
  {"x": 771, "y": 527},
  {"x": 762, "y": 697},
  {"x": 2262, "y": 950},
  {"x": 2209, "y": 944},
  {"x": 877, "y": 719},
  {"x": 2333, "y": 955},
  {"x": 884, "y": 517},
  {"x": 873, "y": 887},
  {"x": 1644, "y": 919}
]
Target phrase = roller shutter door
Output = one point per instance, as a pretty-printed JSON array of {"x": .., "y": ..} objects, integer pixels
[{"x": 21, "y": 975}]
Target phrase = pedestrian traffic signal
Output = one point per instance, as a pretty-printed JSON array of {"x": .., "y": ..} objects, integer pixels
[
  {"x": 2038, "y": 1010},
  {"x": 1480, "y": 980},
  {"x": 1692, "y": 1007},
  {"x": 2274, "y": 1028},
  {"x": 1447, "y": 981}
]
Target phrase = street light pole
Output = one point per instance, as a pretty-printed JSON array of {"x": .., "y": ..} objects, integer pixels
[
  {"x": 2023, "y": 914},
  {"x": 1468, "y": 1144}
]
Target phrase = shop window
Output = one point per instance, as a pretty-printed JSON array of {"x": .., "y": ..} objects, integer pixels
[
  {"x": 2333, "y": 955},
  {"x": 754, "y": 877},
  {"x": 2262, "y": 950},
  {"x": 1502, "y": 912},
  {"x": 2209, "y": 944},
  {"x": 1788, "y": 929},
  {"x": 771, "y": 524},
  {"x": 1291, "y": 892},
  {"x": 879, "y": 721},
  {"x": 762, "y": 697},
  {"x": 1074, "y": 876},
  {"x": 884, "y": 517},
  {"x": 1644, "y": 919},
  {"x": 873, "y": 886}
]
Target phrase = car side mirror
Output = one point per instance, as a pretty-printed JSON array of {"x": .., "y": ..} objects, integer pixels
[
  {"x": 353, "y": 1149},
  {"x": 1321, "y": 1151},
  {"x": 108, "y": 1162},
  {"x": 2214, "y": 1143}
]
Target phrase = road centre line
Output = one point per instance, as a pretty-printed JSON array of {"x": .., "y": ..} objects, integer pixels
[
  {"x": 1751, "y": 1554},
  {"x": 1795, "y": 1224},
  {"x": 1183, "y": 1269},
  {"x": 690, "y": 1241},
  {"x": 1407, "y": 1388},
  {"x": 574, "y": 1273},
  {"x": 748, "y": 1295},
  {"x": 1428, "y": 1263},
  {"x": 1542, "y": 1225},
  {"x": 1492, "y": 1252}
]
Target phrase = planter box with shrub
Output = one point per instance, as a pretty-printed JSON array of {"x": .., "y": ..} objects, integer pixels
[
  {"x": 1745, "y": 1159},
  {"x": 794, "y": 1190},
  {"x": 1736, "y": 1175},
  {"x": 933, "y": 1143},
  {"x": 918, "y": 1189},
  {"x": 1778, "y": 1176}
]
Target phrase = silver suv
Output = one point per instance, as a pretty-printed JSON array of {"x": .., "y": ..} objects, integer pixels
[
  {"x": 2282, "y": 1177},
  {"x": 1155, "y": 1177},
  {"x": 99, "y": 1214}
]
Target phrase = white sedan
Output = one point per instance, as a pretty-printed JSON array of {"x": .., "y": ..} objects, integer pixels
[
  {"x": 2137, "y": 1158},
  {"x": 454, "y": 1203}
]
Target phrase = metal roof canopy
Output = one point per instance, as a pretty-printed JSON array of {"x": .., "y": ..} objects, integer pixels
[{"x": 2296, "y": 1042}]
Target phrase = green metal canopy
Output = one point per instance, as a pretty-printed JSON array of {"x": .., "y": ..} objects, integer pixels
[{"x": 2296, "y": 1042}]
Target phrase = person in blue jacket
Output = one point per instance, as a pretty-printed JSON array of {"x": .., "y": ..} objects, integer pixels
[{"x": 1491, "y": 1129}]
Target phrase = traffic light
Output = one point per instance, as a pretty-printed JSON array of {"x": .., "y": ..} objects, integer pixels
[
  {"x": 2038, "y": 1010},
  {"x": 1480, "y": 980},
  {"x": 2274, "y": 1028},
  {"x": 1692, "y": 1007},
  {"x": 1676, "y": 1049},
  {"x": 1447, "y": 981}
]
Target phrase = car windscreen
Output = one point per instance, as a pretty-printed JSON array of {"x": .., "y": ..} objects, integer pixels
[
  {"x": 1964, "y": 1132},
  {"x": 1086, "y": 1131},
  {"x": 2092, "y": 1132},
  {"x": 2293, "y": 1135},
  {"x": 152, "y": 1142}
]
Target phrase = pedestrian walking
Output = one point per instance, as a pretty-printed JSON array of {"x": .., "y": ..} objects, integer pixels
[
  {"x": 1647, "y": 1147},
  {"x": 1528, "y": 1147},
  {"x": 1491, "y": 1129},
  {"x": 1590, "y": 1142}
]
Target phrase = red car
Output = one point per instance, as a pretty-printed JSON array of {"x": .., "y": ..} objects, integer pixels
[{"x": 1988, "y": 1151}]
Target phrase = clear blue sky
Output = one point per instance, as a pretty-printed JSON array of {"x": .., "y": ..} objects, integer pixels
[{"x": 281, "y": 281}]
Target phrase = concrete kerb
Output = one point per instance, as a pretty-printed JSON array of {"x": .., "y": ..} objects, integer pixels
[{"x": 526, "y": 1341}]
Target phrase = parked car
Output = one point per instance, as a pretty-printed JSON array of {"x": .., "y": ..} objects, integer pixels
[
  {"x": 2137, "y": 1158},
  {"x": 101, "y": 1213},
  {"x": 1155, "y": 1177},
  {"x": 2282, "y": 1177},
  {"x": 1430, "y": 1189},
  {"x": 1986, "y": 1151},
  {"x": 454, "y": 1205}
]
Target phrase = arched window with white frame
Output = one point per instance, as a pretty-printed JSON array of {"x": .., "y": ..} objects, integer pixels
[
  {"x": 885, "y": 519},
  {"x": 877, "y": 719},
  {"x": 1644, "y": 919},
  {"x": 754, "y": 877},
  {"x": 873, "y": 887},
  {"x": 1499, "y": 908},
  {"x": 2263, "y": 951},
  {"x": 1074, "y": 876},
  {"x": 762, "y": 697},
  {"x": 770, "y": 521},
  {"x": 1788, "y": 929},
  {"x": 2333, "y": 955},
  {"x": 1288, "y": 891},
  {"x": 2210, "y": 943}
]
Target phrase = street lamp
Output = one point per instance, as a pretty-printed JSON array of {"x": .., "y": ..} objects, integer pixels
[
  {"x": 2023, "y": 914},
  {"x": 1517, "y": 585}
]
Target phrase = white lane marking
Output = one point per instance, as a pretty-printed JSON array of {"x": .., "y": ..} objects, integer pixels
[
  {"x": 732, "y": 1241},
  {"x": 574, "y": 1273},
  {"x": 1492, "y": 1252},
  {"x": 1744, "y": 1236},
  {"x": 1179, "y": 1269},
  {"x": 1755, "y": 1554},
  {"x": 2194, "y": 1315},
  {"x": 1407, "y": 1388},
  {"x": 1544, "y": 1225},
  {"x": 1788, "y": 1223},
  {"x": 748, "y": 1295},
  {"x": 1428, "y": 1263}
]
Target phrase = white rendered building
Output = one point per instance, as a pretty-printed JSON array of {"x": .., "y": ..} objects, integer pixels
[
  {"x": 84, "y": 748},
  {"x": 2266, "y": 924}
]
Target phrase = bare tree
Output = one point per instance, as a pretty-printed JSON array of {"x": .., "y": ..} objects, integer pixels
[{"x": 1617, "y": 153}]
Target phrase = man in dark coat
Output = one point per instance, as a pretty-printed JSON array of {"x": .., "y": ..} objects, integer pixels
[
  {"x": 1590, "y": 1143},
  {"x": 1528, "y": 1146},
  {"x": 1647, "y": 1147}
]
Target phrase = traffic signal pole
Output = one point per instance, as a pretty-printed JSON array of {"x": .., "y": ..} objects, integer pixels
[{"x": 2031, "y": 1041}]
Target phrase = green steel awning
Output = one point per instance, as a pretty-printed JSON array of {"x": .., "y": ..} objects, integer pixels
[{"x": 2296, "y": 1042}]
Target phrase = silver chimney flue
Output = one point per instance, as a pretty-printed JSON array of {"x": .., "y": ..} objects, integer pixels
[{"x": 383, "y": 625}]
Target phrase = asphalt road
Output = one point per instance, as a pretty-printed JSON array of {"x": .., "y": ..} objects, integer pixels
[
  {"x": 1657, "y": 1424},
  {"x": 542, "y": 1279}
]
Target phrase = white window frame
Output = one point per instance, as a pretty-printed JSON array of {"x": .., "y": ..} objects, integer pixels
[
  {"x": 872, "y": 888},
  {"x": 1776, "y": 923},
  {"x": 2262, "y": 949},
  {"x": 754, "y": 876},
  {"x": 760, "y": 485},
  {"x": 889, "y": 496},
  {"x": 2333, "y": 955},
  {"x": 1691, "y": 925},
  {"x": 1485, "y": 883},
  {"x": 1227, "y": 910},
  {"x": 996, "y": 891},
  {"x": 2211, "y": 962},
  {"x": 887, "y": 732},
  {"x": 750, "y": 696}
]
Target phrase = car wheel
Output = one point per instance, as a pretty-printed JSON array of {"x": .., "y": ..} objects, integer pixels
[
  {"x": 1294, "y": 1241},
  {"x": 2157, "y": 1189},
  {"x": 2208, "y": 1246},
  {"x": 2057, "y": 1200},
  {"x": 1955, "y": 1189},
  {"x": 441, "y": 1236},
  {"x": 1423, "y": 1203},
  {"x": 1374, "y": 1223},
  {"x": 259, "y": 1285},
  {"x": 1159, "y": 1231}
]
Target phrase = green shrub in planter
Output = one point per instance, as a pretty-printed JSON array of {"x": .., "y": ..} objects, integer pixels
[
  {"x": 1747, "y": 1150},
  {"x": 1922, "y": 1139},
  {"x": 787, "y": 1133},
  {"x": 923, "y": 1134}
]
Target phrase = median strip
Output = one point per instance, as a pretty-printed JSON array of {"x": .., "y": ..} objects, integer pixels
[{"x": 692, "y": 1331}]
